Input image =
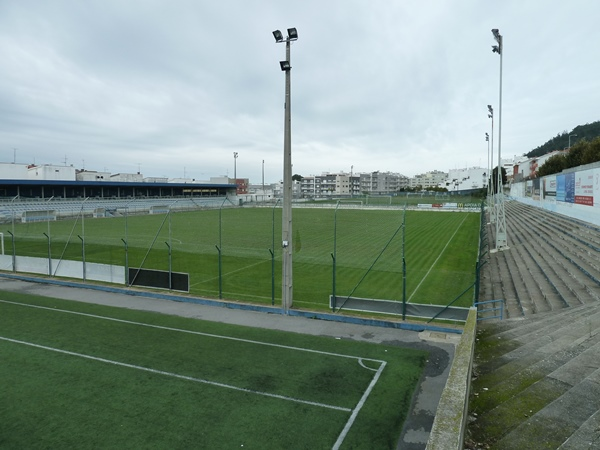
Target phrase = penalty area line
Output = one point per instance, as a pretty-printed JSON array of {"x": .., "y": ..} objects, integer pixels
[
  {"x": 178, "y": 376},
  {"x": 358, "y": 407}
]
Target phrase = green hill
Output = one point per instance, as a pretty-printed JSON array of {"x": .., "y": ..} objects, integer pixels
[{"x": 588, "y": 131}]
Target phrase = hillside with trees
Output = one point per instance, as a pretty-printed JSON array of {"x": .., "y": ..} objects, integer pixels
[
  {"x": 587, "y": 132},
  {"x": 581, "y": 153}
]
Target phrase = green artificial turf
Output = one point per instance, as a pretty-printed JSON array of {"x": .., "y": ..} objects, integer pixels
[
  {"x": 235, "y": 253},
  {"x": 54, "y": 399}
]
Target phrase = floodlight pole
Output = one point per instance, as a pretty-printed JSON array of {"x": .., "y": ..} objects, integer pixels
[
  {"x": 570, "y": 140},
  {"x": 501, "y": 236},
  {"x": 286, "y": 228},
  {"x": 487, "y": 139},
  {"x": 235, "y": 156},
  {"x": 491, "y": 198}
]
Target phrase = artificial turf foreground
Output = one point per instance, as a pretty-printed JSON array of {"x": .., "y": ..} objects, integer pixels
[{"x": 77, "y": 375}]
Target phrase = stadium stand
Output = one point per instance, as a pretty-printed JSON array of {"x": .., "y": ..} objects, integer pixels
[{"x": 537, "y": 375}]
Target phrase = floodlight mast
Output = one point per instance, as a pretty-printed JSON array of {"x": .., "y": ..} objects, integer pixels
[
  {"x": 489, "y": 173},
  {"x": 286, "y": 228},
  {"x": 501, "y": 235},
  {"x": 492, "y": 196}
]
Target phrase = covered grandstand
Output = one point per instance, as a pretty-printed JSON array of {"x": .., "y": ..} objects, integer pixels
[
  {"x": 21, "y": 198},
  {"x": 45, "y": 189}
]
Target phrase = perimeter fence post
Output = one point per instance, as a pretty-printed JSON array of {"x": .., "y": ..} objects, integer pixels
[
  {"x": 14, "y": 255},
  {"x": 404, "y": 264},
  {"x": 272, "y": 252},
  {"x": 126, "y": 262},
  {"x": 334, "y": 257},
  {"x": 82, "y": 256},
  {"x": 49, "y": 253}
]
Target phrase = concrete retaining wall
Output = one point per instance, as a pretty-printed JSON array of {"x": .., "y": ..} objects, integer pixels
[{"x": 451, "y": 417}]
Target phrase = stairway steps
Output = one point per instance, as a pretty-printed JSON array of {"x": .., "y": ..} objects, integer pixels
[
  {"x": 545, "y": 323},
  {"x": 580, "y": 367},
  {"x": 586, "y": 437},
  {"x": 550, "y": 426},
  {"x": 508, "y": 416}
]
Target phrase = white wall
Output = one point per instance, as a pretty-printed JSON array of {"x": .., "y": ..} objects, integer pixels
[
  {"x": 93, "y": 176},
  {"x": 49, "y": 172},
  {"x": 13, "y": 171},
  {"x": 70, "y": 269}
]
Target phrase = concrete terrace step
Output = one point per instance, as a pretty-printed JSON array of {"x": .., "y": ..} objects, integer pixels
[
  {"x": 550, "y": 427},
  {"x": 523, "y": 328},
  {"x": 542, "y": 385},
  {"x": 537, "y": 375},
  {"x": 539, "y": 358},
  {"x": 586, "y": 437},
  {"x": 543, "y": 269}
]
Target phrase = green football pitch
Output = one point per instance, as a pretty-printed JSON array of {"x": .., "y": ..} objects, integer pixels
[
  {"x": 77, "y": 375},
  {"x": 235, "y": 253}
]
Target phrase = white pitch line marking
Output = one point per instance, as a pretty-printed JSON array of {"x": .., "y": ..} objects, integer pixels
[
  {"x": 229, "y": 273},
  {"x": 437, "y": 259},
  {"x": 358, "y": 407},
  {"x": 362, "y": 364},
  {"x": 175, "y": 375},
  {"x": 199, "y": 333}
]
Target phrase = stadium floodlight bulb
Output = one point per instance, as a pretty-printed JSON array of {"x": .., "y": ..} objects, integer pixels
[{"x": 278, "y": 36}]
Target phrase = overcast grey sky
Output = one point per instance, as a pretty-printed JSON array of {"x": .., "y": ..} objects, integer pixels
[{"x": 174, "y": 87}]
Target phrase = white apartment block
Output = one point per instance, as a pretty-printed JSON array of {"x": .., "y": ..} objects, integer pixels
[
  {"x": 429, "y": 179},
  {"x": 382, "y": 183},
  {"x": 329, "y": 185},
  {"x": 466, "y": 179},
  {"x": 348, "y": 185}
]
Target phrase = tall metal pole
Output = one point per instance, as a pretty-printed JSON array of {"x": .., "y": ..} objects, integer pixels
[
  {"x": 501, "y": 238},
  {"x": 286, "y": 228},
  {"x": 489, "y": 175},
  {"x": 492, "y": 199},
  {"x": 235, "y": 155},
  {"x": 286, "y": 235}
]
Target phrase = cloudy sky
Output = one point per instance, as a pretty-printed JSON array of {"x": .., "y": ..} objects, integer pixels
[{"x": 174, "y": 87}]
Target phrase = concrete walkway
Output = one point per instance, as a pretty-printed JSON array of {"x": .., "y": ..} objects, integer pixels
[{"x": 440, "y": 345}]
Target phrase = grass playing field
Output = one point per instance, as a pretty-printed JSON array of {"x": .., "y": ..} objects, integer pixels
[
  {"x": 76, "y": 375},
  {"x": 236, "y": 252}
]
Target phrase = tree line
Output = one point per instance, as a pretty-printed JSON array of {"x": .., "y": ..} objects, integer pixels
[
  {"x": 561, "y": 141},
  {"x": 583, "y": 152}
]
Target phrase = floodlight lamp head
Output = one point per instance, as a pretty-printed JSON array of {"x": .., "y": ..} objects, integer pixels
[
  {"x": 496, "y": 33},
  {"x": 496, "y": 49},
  {"x": 292, "y": 34},
  {"x": 285, "y": 66},
  {"x": 490, "y": 109},
  {"x": 278, "y": 36}
]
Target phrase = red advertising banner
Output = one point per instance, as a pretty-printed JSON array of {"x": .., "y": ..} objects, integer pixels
[{"x": 584, "y": 188}]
